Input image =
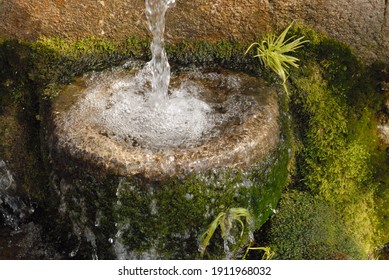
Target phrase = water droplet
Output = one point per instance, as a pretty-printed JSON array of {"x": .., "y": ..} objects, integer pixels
[{"x": 73, "y": 254}]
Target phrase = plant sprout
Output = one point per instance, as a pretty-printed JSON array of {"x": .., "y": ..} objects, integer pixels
[
  {"x": 272, "y": 52},
  {"x": 225, "y": 221}
]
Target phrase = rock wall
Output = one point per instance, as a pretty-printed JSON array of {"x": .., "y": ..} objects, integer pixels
[{"x": 363, "y": 24}]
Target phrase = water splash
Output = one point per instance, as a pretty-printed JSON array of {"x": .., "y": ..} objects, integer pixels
[
  {"x": 155, "y": 13},
  {"x": 77, "y": 217},
  {"x": 12, "y": 208},
  {"x": 202, "y": 104}
]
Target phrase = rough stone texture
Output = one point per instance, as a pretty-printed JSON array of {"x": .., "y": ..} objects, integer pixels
[
  {"x": 363, "y": 24},
  {"x": 71, "y": 18}
]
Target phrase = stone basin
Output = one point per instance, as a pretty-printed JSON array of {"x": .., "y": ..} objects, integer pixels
[
  {"x": 240, "y": 140},
  {"x": 131, "y": 193}
]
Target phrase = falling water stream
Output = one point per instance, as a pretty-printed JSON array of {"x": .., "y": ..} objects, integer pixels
[
  {"x": 155, "y": 12},
  {"x": 12, "y": 208}
]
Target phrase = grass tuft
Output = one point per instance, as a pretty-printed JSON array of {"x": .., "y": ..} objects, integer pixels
[{"x": 274, "y": 52}]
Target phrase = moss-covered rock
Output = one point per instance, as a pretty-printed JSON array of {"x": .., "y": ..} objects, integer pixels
[
  {"x": 88, "y": 214},
  {"x": 167, "y": 219},
  {"x": 335, "y": 104}
]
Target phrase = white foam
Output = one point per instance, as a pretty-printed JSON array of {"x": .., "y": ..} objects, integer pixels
[{"x": 121, "y": 105}]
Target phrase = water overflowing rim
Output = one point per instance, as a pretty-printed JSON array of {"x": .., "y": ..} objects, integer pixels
[{"x": 247, "y": 144}]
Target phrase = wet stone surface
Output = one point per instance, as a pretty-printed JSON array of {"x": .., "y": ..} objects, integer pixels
[
  {"x": 25, "y": 243},
  {"x": 213, "y": 118}
]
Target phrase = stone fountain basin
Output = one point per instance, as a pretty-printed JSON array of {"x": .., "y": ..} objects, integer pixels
[
  {"x": 240, "y": 144},
  {"x": 128, "y": 199}
]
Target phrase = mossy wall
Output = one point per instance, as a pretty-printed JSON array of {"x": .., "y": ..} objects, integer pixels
[{"x": 340, "y": 164}]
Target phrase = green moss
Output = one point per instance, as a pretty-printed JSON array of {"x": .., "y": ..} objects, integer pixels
[
  {"x": 307, "y": 227},
  {"x": 163, "y": 219},
  {"x": 169, "y": 217},
  {"x": 334, "y": 103}
]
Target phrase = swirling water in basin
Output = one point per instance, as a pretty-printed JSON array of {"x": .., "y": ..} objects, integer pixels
[{"x": 200, "y": 105}]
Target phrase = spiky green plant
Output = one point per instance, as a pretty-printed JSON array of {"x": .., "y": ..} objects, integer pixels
[
  {"x": 273, "y": 51},
  {"x": 225, "y": 220}
]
